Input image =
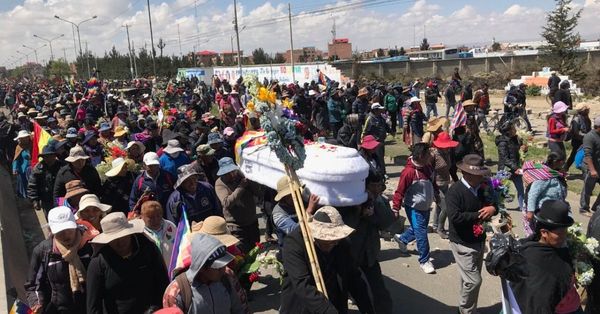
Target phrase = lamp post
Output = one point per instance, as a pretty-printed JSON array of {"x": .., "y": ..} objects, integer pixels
[
  {"x": 26, "y": 55},
  {"x": 49, "y": 41},
  {"x": 35, "y": 51},
  {"x": 77, "y": 27}
]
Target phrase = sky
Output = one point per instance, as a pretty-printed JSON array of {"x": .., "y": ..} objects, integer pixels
[{"x": 207, "y": 24}]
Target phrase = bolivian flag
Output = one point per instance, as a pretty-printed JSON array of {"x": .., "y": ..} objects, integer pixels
[{"x": 41, "y": 138}]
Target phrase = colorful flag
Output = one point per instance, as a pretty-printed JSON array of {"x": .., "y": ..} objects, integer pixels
[
  {"x": 248, "y": 139},
  {"x": 460, "y": 117},
  {"x": 19, "y": 307},
  {"x": 181, "y": 257},
  {"x": 41, "y": 138},
  {"x": 323, "y": 79}
]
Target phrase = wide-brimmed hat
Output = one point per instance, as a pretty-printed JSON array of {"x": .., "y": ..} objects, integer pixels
[
  {"x": 435, "y": 124},
  {"x": 76, "y": 153},
  {"x": 468, "y": 103},
  {"x": 173, "y": 147},
  {"x": 226, "y": 165},
  {"x": 473, "y": 164},
  {"x": 214, "y": 138},
  {"x": 61, "y": 218},
  {"x": 22, "y": 134},
  {"x": 120, "y": 131},
  {"x": 554, "y": 214},
  {"x": 559, "y": 107},
  {"x": 116, "y": 226},
  {"x": 91, "y": 200},
  {"x": 75, "y": 187},
  {"x": 204, "y": 150},
  {"x": 151, "y": 158},
  {"x": 116, "y": 166},
  {"x": 312, "y": 92},
  {"x": 41, "y": 116},
  {"x": 228, "y": 131},
  {"x": 283, "y": 188},
  {"x": 582, "y": 106},
  {"x": 104, "y": 127},
  {"x": 443, "y": 140},
  {"x": 414, "y": 99},
  {"x": 362, "y": 92},
  {"x": 216, "y": 226},
  {"x": 184, "y": 172},
  {"x": 21, "y": 115},
  {"x": 141, "y": 145},
  {"x": 32, "y": 111},
  {"x": 327, "y": 225},
  {"x": 49, "y": 149},
  {"x": 71, "y": 133},
  {"x": 369, "y": 142}
]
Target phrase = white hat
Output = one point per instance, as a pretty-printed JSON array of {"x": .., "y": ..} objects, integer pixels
[
  {"x": 22, "y": 134},
  {"x": 116, "y": 226},
  {"x": 91, "y": 200},
  {"x": 76, "y": 153},
  {"x": 312, "y": 92},
  {"x": 173, "y": 147},
  {"x": 138, "y": 143},
  {"x": 116, "y": 166},
  {"x": 376, "y": 105},
  {"x": 414, "y": 99},
  {"x": 151, "y": 158},
  {"x": 61, "y": 218}
]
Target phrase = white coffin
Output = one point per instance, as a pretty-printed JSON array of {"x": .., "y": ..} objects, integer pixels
[{"x": 336, "y": 174}]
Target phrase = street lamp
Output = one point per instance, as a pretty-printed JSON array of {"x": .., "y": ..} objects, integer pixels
[
  {"x": 50, "y": 43},
  {"x": 35, "y": 51},
  {"x": 77, "y": 27},
  {"x": 26, "y": 55}
]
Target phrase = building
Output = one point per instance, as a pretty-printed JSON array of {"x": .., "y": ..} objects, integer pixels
[
  {"x": 341, "y": 48},
  {"x": 306, "y": 54}
]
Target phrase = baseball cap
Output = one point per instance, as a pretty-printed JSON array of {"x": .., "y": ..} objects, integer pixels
[
  {"x": 151, "y": 158},
  {"x": 376, "y": 105},
  {"x": 61, "y": 218},
  {"x": 207, "y": 251}
]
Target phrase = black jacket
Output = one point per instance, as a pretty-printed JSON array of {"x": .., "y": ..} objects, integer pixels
[
  {"x": 131, "y": 285},
  {"x": 563, "y": 95},
  {"x": 463, "y": 208},
  {"x": 593, "y": 290},
  {"x": 341, "y": 275},
  {"x": 48, "y": 282},
  {"x": 88, "y": 175},
  {"x": 549, "y": 279},
  {"x": 40, "y": 186},
  {"x": 509, "y": 157},
  {"x": 118, "y": 190},
  {"x": 376, "y": 126},
  {"x": 347, "y": 136}
]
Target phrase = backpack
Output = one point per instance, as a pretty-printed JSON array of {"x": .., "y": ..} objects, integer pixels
[
  {"x": 185, "y": 289},
  {"x": 505, "y": 259},
  {"x": 579, "y": 157}
]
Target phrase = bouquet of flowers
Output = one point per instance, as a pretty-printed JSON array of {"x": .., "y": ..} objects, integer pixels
[
  {"x": 251, "y": 263},
  {"x": 582, "y": 250},
  {"x": 496, "y": 191}
]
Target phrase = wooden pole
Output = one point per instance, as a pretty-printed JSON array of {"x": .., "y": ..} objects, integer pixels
[{"x": 306, "y": 233}]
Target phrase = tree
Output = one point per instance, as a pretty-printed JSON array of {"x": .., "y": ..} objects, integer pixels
[
  {"x": 402, "y": 51},
  {"x": 380, "y": 53},
  {"x": 496, "y": 46},
  {"x": 260, "y": 56},
  {"x": 560, "y": 52},
  {"x": 424, "y": 44},
  {"x": 161, "y": 45},
  {"x": 279, "y": 58},
  {"x": 393, "y": 52},
  {"x": 58, "y": 69}
]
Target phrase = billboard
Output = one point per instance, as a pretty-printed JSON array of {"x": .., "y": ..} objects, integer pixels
[{"x": 304, "y": 73}]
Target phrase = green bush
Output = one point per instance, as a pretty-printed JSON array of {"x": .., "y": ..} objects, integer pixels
[{"x": 533, "y": 90}]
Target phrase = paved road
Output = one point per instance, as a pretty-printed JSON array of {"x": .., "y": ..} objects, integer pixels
[{"x": 412, "y": 290}]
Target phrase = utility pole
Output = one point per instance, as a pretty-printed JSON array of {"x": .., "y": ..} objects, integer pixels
[
  {"x": 74, "y": 44},
  {"x": 196, "y": 22},
  {"x": 65, "y": 54},
  {"x": 237, "y": 36},
  {"x": 87, "y": 58},
  {"x": 179, "y": 37},
  {"x": 291, "y": 42},
  {"x": 129, "y": 47},
  {"x": 151, "y": 39},
  {"x": 133, "y": 56}
]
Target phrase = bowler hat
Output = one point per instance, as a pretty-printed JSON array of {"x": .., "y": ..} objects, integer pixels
[{"x": 554, "y": 214}]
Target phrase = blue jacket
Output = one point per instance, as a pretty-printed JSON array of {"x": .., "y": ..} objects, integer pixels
[
  {"x": 204, "y": 204},
  {"x": 335, "y": 110},
  {"x": 162, "y": 188},
  {"x": 171, "y": 164},
  {"x": 545, "y": 190}
]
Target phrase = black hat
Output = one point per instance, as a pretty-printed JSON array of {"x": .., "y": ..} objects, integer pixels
[
  {"x": 151, "y": 126},
  {"x": 88, "y": 136},
  {"x": 49, "y": 149},
  {"x": 554, "y": 214}
]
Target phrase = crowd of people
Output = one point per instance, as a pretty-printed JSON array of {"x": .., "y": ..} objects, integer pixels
[{"x": 124, "y": 166}]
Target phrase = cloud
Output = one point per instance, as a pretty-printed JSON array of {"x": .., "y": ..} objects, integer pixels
[{"x": 266, "y": 25}]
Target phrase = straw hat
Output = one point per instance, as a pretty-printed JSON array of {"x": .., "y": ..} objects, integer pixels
[
  {"x": 120, "y": 131},
  {"x": 216, "y": 226},
  {"x": 363, "y": 92},
  {"x": 22, "y": 134},
  {"x": 283, "y": 188},
  {"x": 435, "y": 124},
  {"x": 91, "y": 200},
  {"x": 75, "y": 187},
  {"x": 116, "y": 166},
  {"x": 76, "y": 153},
  {"x": 327, "y": 225},
  {"x": 468, "y": 103},
  {"x": 116, "y": 226},
  {"x": 32, "y": 111},
  {"x": 582, "y": 106}
]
